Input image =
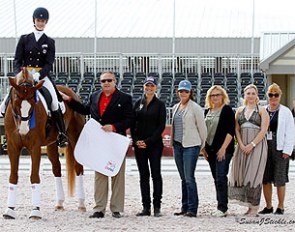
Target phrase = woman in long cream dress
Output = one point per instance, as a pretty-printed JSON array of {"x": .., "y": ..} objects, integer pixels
[{"x": 245, "y": 181}]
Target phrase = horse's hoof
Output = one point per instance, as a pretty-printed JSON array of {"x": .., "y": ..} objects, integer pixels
[
  {"x": 59, "y": 208},
  {"x": 9, "y": 214},
  {"x": 82, "y": 209},
  {"x": 35, "y": 214}
]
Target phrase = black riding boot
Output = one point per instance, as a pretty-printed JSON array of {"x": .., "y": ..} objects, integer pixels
[
  {"x": 62, "y": 139},
  {"x": 4, "y": 145}
]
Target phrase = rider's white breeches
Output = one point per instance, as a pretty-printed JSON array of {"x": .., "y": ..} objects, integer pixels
[{"x": 48, "y": 85}]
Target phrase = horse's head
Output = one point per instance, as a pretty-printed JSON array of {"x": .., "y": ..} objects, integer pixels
[{"x": 23, "y": 98}]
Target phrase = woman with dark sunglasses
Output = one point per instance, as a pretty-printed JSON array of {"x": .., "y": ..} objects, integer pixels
[{"x": 280, "y": 140}]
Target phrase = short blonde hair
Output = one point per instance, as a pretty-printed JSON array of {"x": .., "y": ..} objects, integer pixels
[
  {"x": 274, "y": 88},
  {"x": 225, "y": 99},
  {"x": 251, "y": 86}
]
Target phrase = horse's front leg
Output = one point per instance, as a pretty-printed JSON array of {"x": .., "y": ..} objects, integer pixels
[
  {"x": 53, "y": 156},
  {"x": 14, "y": 154},
  {"x": 35, "y": 182}
]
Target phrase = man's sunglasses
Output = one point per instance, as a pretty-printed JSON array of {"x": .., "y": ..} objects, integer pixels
[
  {"x": 276, "y": 95},
  {"x": 106, "y": 80}
]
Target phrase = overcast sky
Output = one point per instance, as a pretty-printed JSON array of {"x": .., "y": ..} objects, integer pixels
[{"x": 150, "y": 18}]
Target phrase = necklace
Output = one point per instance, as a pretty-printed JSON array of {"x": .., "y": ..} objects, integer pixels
[{"x": 180, "y": 112}]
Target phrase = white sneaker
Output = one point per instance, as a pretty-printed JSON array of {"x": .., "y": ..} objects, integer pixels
[{"x": 219, "y": 213}]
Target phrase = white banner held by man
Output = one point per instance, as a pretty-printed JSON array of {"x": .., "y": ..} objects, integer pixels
[{"x": 101, "y": 151}]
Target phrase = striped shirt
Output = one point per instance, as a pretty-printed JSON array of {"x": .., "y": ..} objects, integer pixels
[{"x": 178, "y": 126}]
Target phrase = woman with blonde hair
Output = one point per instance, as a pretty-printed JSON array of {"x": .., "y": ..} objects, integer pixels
[
  {"x": 219, "y": 148},
  {"x": 245, "y": 181},
  {"x": 280, "y": 140}
]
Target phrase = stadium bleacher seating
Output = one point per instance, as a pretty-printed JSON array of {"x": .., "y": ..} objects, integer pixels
[
  {"x": 61, "y": 80},
  {"x": 74, "y": 83},
  {"x": 232, "y": 79},
  {"x": 132, "y": 83},
  {"x": 62, "y": 74},
  {"x": 138, "y": 89},
  {"x": 85, "y": 89},
  {"x": 87, "y": 81},
  {"x": 84, "y": 97},
  {"x": 193, "y": 78},
  {"x": 219, "y": 79},
  {"x": 178, "y": 78},
  {"x": 245, "y": 80},
  {"x": 167, "y": 74},
  {"x": 166, "y": 98},
  {"x": 97, "y": 83},
  {"x": 167, "y": 80},
  {"x": 166, "y": 89},
  {"x": 153, "y": 74},
  {"x": 88, "y": 74},
  {"x": 138, "y": 81},
  {"x": 126, "y": 89},
  {"x": 127, "y": 81},
  {"x": 75, "y": 74},
  {"x": 96, "y": 89},
  {"x": 128, "y": 74}
]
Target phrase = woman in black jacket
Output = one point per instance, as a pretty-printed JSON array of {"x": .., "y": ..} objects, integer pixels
[
  {"x": 146, "y": 131},
  {"x": 219, "y": 148}
]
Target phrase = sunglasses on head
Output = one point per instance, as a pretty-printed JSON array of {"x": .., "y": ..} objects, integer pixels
[
  {"x": 276, "y": 95},
  {"x": 106, "y": 80}
]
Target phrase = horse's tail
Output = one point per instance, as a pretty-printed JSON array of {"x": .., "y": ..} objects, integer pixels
[
  {"x": 70, "y": 166},
  {"x": 75, "y": 123}
]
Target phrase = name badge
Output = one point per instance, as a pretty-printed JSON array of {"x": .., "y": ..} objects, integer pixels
[{"x": 269, "y": 135}]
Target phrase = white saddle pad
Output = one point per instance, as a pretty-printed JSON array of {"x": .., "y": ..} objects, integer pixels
[{"x": 101, "y": 151}]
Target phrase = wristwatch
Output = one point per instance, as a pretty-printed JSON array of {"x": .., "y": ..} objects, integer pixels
[{"x": 253, "y": 144}]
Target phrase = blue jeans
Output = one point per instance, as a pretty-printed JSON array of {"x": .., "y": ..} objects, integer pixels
[
  {"x": 219, "y": 170},
  {"x": 186, "y": 161}
]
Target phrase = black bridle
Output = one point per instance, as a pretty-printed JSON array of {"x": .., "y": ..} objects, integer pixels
[{"x": 15, "y": 114}]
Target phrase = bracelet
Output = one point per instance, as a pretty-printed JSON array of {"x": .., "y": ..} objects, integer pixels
[{"x": 253, "y": 144}]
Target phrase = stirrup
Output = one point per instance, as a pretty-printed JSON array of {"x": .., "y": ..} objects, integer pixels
[
  {"x": 4, "y": 145},
  {"x": 62, "y": 140}
]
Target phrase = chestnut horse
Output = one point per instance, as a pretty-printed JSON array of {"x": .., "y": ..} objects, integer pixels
[{"x": 26, "y": 126}]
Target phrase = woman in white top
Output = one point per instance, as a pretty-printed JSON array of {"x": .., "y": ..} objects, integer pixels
[{"x": 280, "y": 140}]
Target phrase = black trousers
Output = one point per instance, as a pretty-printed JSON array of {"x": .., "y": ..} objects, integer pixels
[{"x": 149, "y": 161}]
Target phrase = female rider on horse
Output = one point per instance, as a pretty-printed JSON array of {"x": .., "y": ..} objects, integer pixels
[{"x": 36, "y": 51}]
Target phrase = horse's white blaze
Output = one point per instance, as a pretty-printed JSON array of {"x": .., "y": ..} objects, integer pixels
[{"x": 24, "y": 125}]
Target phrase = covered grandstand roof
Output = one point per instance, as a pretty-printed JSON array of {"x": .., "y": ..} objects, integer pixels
[
  {"x": 149, "y": 18},
  {"x": 282, "y": 61}
]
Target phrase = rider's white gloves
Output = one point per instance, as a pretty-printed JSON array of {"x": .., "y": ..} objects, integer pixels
[{"x": 36, "y": 76}]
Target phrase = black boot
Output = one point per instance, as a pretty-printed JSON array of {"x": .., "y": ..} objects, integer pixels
[
  {"x": 4, "y": 145},
  {"x": 144, "y": 212},
  {"x": 62, "y": 139}
]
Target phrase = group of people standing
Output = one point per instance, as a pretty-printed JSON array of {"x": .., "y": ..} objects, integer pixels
[
  {"x": 265, "y": 136},
  {"x": 265, "y": 139}
]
